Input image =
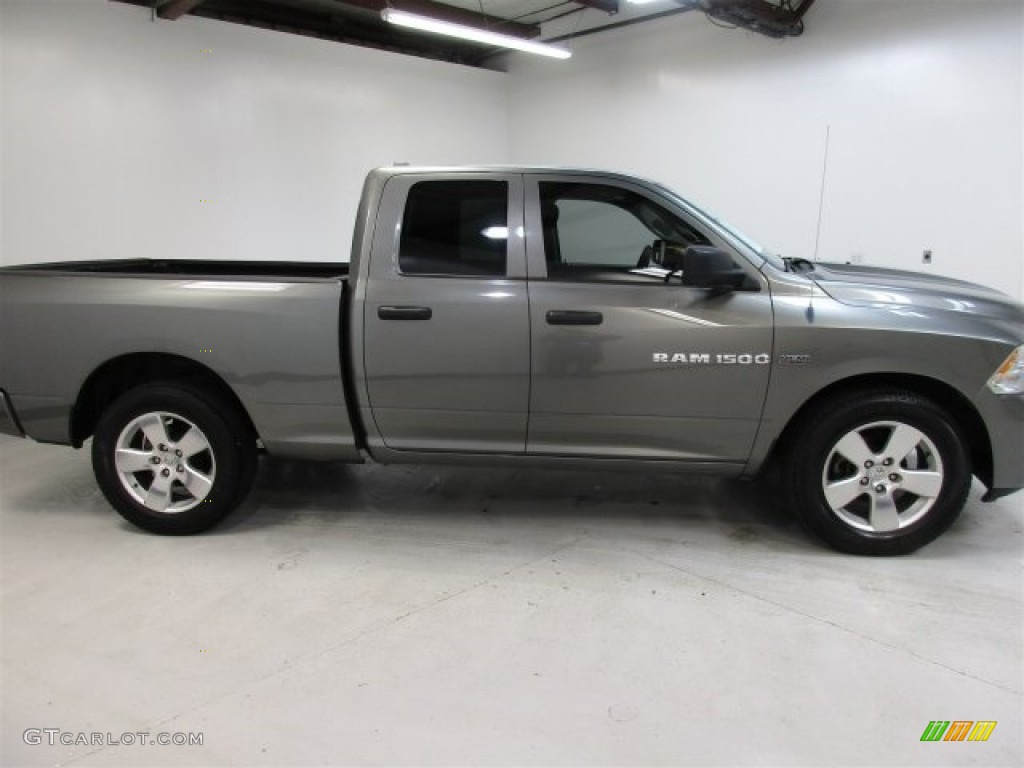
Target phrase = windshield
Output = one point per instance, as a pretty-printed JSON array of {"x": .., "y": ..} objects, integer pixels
[{"x": 726, "y": 228}]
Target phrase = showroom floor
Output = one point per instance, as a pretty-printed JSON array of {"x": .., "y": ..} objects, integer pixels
[{"x": 393, "y": 615}]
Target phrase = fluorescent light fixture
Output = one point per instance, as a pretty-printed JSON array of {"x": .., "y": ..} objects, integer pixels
[
  {"x": 495, "y": 233},
  {"x": 438, "y": 27}
]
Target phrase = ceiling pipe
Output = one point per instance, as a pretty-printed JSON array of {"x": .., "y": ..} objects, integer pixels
[
  {"x": 175, "y": 9},
  {"x": 611, "y": 7}
]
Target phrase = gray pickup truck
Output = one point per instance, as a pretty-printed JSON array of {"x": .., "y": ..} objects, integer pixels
[{"x": 536, "y": 316}]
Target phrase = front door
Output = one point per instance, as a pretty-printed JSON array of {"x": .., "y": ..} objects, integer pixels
[
  {"x": 446, "y": 316},
  {"x": 625, "y": 364}
]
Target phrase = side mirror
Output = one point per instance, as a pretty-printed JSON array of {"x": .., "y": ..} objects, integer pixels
[{"x": 704, "y": 266}]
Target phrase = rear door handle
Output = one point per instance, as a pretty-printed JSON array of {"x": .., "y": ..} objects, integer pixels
[
  {"x": 404, "y": 313},
  {"x": 573, "y": 317}
]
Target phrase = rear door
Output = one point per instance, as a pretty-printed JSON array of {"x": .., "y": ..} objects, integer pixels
[
  {"x": 625, "y": 364},
  {"x": 446, "y": 315}
]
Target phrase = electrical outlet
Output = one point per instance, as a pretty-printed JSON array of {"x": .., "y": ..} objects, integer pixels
[
  {"x": 856, "y": 258},
  {"x": 927, "y": 257}
]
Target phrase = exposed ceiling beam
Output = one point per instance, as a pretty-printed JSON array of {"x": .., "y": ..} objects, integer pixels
[
  {"x": 449, "y": 13},
  {"x": 349, "y": 28},
  {"x": 175, "y": 9},
  {"x": 608, "y": 6},
  {"x": 690, "y": 5}
]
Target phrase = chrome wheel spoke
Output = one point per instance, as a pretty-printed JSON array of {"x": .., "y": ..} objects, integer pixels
[
  {"x": 197, "y": 483},
  {"x": 921, "y": 483},
  {"x": 902, "y": 482},
  {"x": 144, "y": 446},
  {"x": 158, "y": 497},
  {"x": 192, "y": 442},
  {"x": 884, "y": 514},
  {"x": 131, "y": 460},
  {"x": 853, "y": 448},
  {"x": 902, "y": 441},
  {"x": 842, "y": 492},
  {"x": 152, "y": 426}
]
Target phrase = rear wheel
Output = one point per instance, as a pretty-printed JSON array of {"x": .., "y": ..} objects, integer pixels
[
  {"x": 172, "y": 458},
  {"x": 880, "y": 472}
]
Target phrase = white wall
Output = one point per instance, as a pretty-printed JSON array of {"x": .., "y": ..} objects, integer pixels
[
  {"x": 114, "y": 128},
  {"x": 924, "y": 99}
]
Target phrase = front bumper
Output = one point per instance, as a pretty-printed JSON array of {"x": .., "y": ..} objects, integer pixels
[
  {"x": 1004, "y": 419},
  {"x": 9, "y": 424}
]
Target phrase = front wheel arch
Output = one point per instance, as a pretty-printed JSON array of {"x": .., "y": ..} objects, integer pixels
[{"x": 950, "y": 399}]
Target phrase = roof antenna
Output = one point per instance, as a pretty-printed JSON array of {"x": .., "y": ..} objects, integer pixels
[{"x": 821, "y": 194}]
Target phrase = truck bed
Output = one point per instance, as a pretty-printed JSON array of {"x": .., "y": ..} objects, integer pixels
[{"x": 271, "y": 332}]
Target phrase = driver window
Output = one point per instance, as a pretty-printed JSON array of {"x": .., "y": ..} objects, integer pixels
[{"x": 605, "y": 233}]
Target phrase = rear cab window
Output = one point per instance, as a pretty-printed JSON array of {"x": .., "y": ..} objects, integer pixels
[{"x": 455, "y": 228}]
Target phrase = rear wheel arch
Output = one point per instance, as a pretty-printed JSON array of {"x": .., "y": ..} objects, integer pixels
[
  {"x": 120, "y": 374},
  {"x": 951, "y": 400}
]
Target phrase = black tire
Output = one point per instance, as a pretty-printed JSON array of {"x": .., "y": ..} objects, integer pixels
[
  {"x": 197, "y": 490},
  {"x": 884, "y": 514}
]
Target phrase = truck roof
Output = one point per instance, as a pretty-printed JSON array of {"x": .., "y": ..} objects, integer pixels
[{"x": 398, "y": 170}]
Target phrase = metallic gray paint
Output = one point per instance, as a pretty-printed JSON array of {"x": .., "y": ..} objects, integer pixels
[
  {"x": 875, "y": 287},
  {"x": 273, "y": 342},
  {"x": 596, "y": 397},
  {"x": 459, "y": 381},
  {"x": 947, "y": 345},
  {"x": 595, "y": 390},
  {"x": 8, "y": 420}
]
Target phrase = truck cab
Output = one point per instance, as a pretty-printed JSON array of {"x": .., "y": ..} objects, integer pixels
[{"x": 558, "y": 289}]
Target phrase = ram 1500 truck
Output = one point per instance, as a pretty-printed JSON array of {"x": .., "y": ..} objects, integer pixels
[{"x": 533, "y": 316}]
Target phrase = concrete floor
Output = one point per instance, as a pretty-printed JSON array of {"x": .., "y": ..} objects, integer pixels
[{"x": 376, "y": 615}]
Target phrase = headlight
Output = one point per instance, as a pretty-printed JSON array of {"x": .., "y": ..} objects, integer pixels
[{"x": 1009, "y": 377}]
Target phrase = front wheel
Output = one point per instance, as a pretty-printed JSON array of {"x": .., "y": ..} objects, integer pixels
[
  {"x": 880, "y": 472},
  {"x": 173, "y": 459}
]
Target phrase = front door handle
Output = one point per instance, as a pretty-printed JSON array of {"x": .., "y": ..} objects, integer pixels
[
  {"x": 404, "y": 313},
  {"x": 573, "y": 317}
]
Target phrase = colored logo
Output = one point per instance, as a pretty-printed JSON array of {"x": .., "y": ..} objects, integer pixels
[{"x": 958, "y": 730}]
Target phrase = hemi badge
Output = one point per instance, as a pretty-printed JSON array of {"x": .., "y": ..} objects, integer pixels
[{"x": 794, "y": 359}]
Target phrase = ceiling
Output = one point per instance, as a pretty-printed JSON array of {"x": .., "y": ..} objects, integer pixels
[{"x": 359, "y": 22}]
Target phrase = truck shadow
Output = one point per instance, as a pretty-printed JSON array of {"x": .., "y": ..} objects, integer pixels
[
  {"x": 290, "y": 493},
  {"x": 478, "y": 505}
]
